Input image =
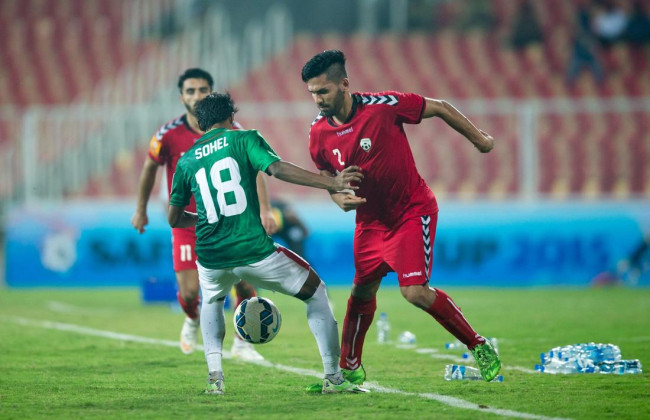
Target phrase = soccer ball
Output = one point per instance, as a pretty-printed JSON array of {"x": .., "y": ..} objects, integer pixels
[{"x": 257, "y": 320}]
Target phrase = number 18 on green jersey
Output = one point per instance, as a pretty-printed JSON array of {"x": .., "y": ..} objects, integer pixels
[{"x": 220, "y": 170}]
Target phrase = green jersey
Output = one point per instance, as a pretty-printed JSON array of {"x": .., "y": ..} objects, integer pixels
[{"x": 220, "y": 170}]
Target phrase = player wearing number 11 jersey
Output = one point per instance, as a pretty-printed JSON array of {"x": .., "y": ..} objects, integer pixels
[
  {"x": 396, "y": 211},
  {"x": 219, "y": 171}
]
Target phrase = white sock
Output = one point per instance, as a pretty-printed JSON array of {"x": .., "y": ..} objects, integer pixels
[
  {"x": 213, "y": 328},
  {"x": 325, "y": 329},
  {"x": 336, "y": 378}
]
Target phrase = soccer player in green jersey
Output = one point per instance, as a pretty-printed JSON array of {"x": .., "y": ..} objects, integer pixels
[{"x": 220, "y": 172}]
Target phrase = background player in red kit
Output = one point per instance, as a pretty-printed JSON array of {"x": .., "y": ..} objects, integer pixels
[
  {"x": 396, "y": 210},
  {"x": 165, "y": 148}
]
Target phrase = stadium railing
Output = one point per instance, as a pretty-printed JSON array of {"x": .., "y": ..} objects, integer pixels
[{"x": 544, "y": 148}]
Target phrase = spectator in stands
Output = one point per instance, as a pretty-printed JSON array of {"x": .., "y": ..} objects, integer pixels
[
  {"x": 584, "y": 49},
  {"x": 638, "y": 27},
  {"x": 526, "y": 29},
  {"x": 421, "y": 15},
  {"x": 631, "y": 271},
  {"x": 476, "y": 14},
  {"x": 610, "y": 22},
  {"x": 291, "y": 230}
]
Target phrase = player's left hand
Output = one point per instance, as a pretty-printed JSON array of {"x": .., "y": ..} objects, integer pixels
[
  {"x": 268, "y": 221},
  {"x": 347, "y": 200}
]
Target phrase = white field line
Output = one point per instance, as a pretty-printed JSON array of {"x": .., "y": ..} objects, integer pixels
[
  {"x": 65, "y": 308},
  {"x": 444, "y": 399},
  {"x": 434, "y": 354}
]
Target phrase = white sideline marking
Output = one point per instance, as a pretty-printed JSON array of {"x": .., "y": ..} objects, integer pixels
[
  {"x": 65, "y": 308},
  {"x": 434, "y": 353},
  {"x": 98, "y": 333},
  {"x": 445, "y": 399}
]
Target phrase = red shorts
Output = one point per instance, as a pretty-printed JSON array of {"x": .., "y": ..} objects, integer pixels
[
  {"x": 183, "y": 240},
  {"x": 407, "y": 250}
]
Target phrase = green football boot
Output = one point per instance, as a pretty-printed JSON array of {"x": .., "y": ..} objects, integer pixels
[
  {"x": 217, "y": 387},
  {"x": 216, "y": 384},
  {"x": 356, "y": 376},
  {"x": 330, "y": 387},
  {"x": 315, "y": 388},
  {"x": 487, "y": 360}
]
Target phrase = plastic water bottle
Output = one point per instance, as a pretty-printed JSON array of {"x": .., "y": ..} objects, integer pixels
[
  {"x": 633, "y": 367},
  {"x": 621, "y": 367},
  {"x": 561, "y": 353},
  {"x": 460, "y": 372},
  {"x": 586, "y": 358},
  {"x": 453, "y": 345},
  {"x": 598, "y": 353},
  {"x": 495, "y": 343},
  {"x": 383, "y": 328},
  {"x": 608, "y": 352},
  {"x": 567, "y": 366},
  {"x": 406, "y": 337},
  {"x": 456, "y": 344}
]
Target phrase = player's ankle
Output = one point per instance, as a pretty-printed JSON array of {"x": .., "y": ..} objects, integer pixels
[{"x": 336, "y": 378}]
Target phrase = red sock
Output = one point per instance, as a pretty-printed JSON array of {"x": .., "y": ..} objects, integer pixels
[
  {"x": 191, "y": 309},
  {"x": 445, "y": 311},
  {"x": 358, "y": 319}
]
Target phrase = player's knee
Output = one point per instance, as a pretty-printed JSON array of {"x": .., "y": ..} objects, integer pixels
[
  {"x": 414, "y": 295},
  {"x": 188, "y": 284},
  {"x": 188, "y": 294},
  {"x": 366, "y": 291}
]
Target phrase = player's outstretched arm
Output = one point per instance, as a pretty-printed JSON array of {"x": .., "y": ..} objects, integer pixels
[
  {"x": 289, "y": 172},
  {"x": 145, "y": 185},
  {"x": 266, "y": 213},
  {"x": 456, "y": 120},
  {"x": 179, "y": 218}
]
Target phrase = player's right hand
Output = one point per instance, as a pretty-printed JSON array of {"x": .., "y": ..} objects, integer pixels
[
  {"x": 347, "y": 176},
  {"x": 486, "y": 143},
  {"x": 347, "y": 201},
  {"x": 139, "y": 221}
]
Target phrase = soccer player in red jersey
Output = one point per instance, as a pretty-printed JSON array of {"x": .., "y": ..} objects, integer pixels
[
  {"x": 165, "y": 148},
  {"x": 396, "y": 210}
]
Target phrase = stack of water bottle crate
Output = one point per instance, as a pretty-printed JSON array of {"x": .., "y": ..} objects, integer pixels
[{"x": 587, "y": 358}]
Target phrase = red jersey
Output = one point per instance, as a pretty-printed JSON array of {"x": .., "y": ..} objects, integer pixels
[
  {"x": 373, "y": 138},
  {"x": 169, "y": 143}
]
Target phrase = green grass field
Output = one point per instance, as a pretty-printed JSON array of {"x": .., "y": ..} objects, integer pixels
[{"x": 57, "y": 361}]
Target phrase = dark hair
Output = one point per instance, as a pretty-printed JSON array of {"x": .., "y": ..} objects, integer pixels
[
  {"x": 195, "y": 74},
  {"x": 213, "y": 109},
  {"x": 330, "y": 61}
]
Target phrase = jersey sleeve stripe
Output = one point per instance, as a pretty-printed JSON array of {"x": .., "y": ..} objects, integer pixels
[
  {"x": 169, "y": 126},
  {"x": 318, "y": 117}
]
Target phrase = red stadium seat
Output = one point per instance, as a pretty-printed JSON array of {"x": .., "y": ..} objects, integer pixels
[{"x": 65, "y": 51}]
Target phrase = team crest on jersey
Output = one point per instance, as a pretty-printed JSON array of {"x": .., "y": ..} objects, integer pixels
[
  {"x": 154, "y": 146},
  {"x": 365, "y": 144}
]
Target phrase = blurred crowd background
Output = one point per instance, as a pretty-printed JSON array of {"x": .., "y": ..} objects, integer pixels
[{"x": 563, "y": 86}]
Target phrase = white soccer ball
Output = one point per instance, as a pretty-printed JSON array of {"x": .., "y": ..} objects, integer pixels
[{"x": 257, "y": 320}]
